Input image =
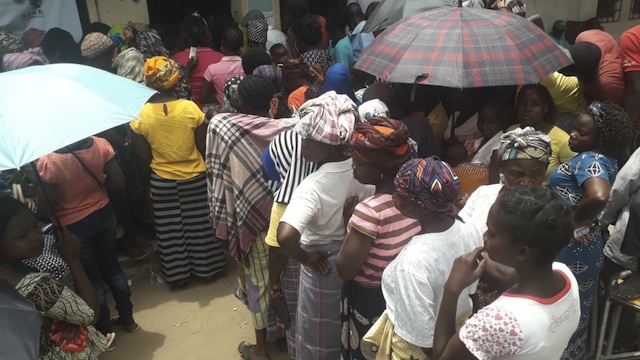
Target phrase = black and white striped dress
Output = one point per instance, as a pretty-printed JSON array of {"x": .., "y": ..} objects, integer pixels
[{"x": 183, "y": 229}]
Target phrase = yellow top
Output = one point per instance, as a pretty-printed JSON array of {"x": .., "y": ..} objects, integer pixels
[
  {"x": 277, "y": 210},
  {"x": 566, "y": 93},
  {"x": 560, "y": 151},
  {"x": 439, "y": 121},
  {"x": 172, "y": 138}
]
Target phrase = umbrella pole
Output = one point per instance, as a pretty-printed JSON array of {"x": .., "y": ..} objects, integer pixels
[{"x": 46, "y": 196}]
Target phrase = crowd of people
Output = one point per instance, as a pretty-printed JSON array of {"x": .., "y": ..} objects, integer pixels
[{"x": 368, "y": 220}]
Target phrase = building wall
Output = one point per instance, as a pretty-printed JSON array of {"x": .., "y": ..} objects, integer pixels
[{"x": 113, "y": 12}]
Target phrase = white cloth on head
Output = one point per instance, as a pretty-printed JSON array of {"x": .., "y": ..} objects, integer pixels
[
  {"x": 373, "y": 108},
  {"x": 413, "y": 283},
  {"x": 329, "y": 119},
  {"x": 275, "y": 36},
  {"x": 316, "y": 207}
]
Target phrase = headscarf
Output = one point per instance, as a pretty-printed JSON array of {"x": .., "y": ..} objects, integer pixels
[
  {"x": 257, "y": 31},
  {"x": 32, "y": 38},
  {"x": 9, "y": 43},
  {"x": 23, "y": 59},
  {"x": 95, "y": 44},
  {"x": 338, "y": 79},
  {"x": 270, "y": 73},
  {"x": 231, "y": 101},
  {"x": 429, "y": 183},
  {"x": 161, "y": 73},
  {"x": 381, "y": 142},
  {"x": 525, "y": 144},
  {"x": 373, "y": 108},
  {"x": 130, "y": 64},
  {"x": 595, "y": 111},
  {"x": 329, "y": 119},
  {"x": 121, "y": 35},
  {"x": 251, "y": 15},
  {"x": 150, "y": 44}
]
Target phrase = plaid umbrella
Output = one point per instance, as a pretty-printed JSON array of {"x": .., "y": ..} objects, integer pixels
[{"x": 463, "y": 48}]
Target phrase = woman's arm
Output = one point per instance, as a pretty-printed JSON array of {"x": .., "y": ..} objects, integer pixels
[
  {"x": 595, "y": 198},
  {"x": 201, "y": 138},
  {"x": 353, "y": 254},
  {"x": 115, "y": 177},
  {"x": 143, "y": 157},
  {"x": 277, "y": 263},
  {"x": 289, "y": 240}
]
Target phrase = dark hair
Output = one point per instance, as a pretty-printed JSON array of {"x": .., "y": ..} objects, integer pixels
[
  {"x": 313, "y": 91},
  {"x": 98, "y": 27},
  {"x": 194, "y": 31},
  {"x": 536, "y": 217},
  {"x": 501, "y": 106},
  {"x": 233, "y": 39},
  {"x": 338, "y": 17},
  {"x": 295, "y": 69},
  {"x": 256, "y": 92},
  {"x": 308, "y": 30},
  {"x": 9, "y": 207},
  {"x": 552, "y": 114},
  {"x": 275, "y": 48},
  {"x": 253, "y": 58},
  {"x": 355, "y": 12},
  {"x": 615, "y": 130},
  {"x": 586, "y": 57},
  {"x": 60, "y": 41}
]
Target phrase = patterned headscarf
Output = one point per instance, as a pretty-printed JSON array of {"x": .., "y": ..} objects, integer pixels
[
  {"x": 272, "y": 74},
  {"x": 150, "y": 44},
  {"x": 9, "y": 43},
  {"x": 32, "y": 38},
  {"x": 95, "y": 44},
  {"x": 429, "y": 183},
  {"x": 161, "y": 73},
  {"x": 329, "y": 119},
  {"x": 130, "y": 64},
  {"x": 121, "y": 35},
  {"x": 373, "y": 108},
  {"x": 525, "y": 143},
  {"x": 597, "y": 113},
  {"x": 381, "y": 142},
  {"x": 23, "y": 59},
  {"x": 231, "y": 99},
  {"x": 257, "y": 31}
]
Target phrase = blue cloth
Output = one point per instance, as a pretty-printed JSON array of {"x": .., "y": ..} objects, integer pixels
[
  {"x": 360, "y": 40},
  {"x": 338, "y": 79},
  {"x": 561, "y": 41},
  {"x": 583, "y": 258},
  {"x": 342, "y": 52},
  {"x": 99, "y": 258},
  {"x": 269, "y": 167}
]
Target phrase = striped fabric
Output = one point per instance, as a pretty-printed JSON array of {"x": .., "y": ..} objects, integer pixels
[
  {"x": 290, "y": 283},
  {"x": 184, "y": 232},
  {"x": 240, "y": 197},
  {"x": 286, "y": 152},
  {"x": 378, "y": 218},
  {"x": 463, "y": 48}
]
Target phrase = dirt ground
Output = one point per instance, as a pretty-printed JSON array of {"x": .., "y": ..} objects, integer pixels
[{"x": 201, "y": 321}]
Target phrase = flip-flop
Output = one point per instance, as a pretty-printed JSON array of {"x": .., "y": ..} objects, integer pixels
[
  {"x": 239, "y": 295},
  {"x": 111, "y": 345},
  {"x": 621, "y": 291}
]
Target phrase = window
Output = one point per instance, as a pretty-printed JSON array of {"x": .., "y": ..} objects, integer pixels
[
  {"x": 609, "y": 10},
  {"x": 635, "y": 10}
]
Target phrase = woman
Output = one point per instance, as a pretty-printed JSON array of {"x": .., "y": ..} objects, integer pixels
[
  {"x": 297, "y": 77},
  {"x": 535, "y": 108},
  {"x": 307, "y": 38},
  {"x": 75, "y": 178},
  {"x": 492, "y": 115},
  {"x": 311, "y": 230},
  {"x": 71, "y": 313},
  {"x": 194, "y": 32},
  {"x": 601, "y": 137},
  {"x": 425, "y": 190},
  {"x": 170, "y": 137},
  {"x": 527, "y": 228},
  {"x": 212, "y": 90},
  {"x": 376, "y": 232}
]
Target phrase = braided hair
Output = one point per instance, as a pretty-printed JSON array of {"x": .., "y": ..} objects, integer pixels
[
  {"x": 233, "y": 39},
  {"x": 614, "y": 126},
  {"x": 257, "y": 92},
  {"x": 308, "y": 30},
  {"x": 536, "y": 217}
]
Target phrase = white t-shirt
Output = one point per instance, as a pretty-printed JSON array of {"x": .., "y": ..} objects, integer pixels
[
  {"x": 413, "y": 283},
  {"x": 316, "y": 206},
  {"x": 477, "y": 207},
  {"x": 525, "y": 327}
]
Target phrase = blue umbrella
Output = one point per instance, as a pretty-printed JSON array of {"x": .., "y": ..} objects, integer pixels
[{"x": 44, "y": 108}]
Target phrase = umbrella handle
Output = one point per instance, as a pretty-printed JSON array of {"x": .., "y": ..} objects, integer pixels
[
  {"x": 415, "y": 86},
  {"x": 47, "y": 197}
]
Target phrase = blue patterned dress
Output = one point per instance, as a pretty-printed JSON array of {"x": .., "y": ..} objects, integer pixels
[{"x": 584, "y": 259}]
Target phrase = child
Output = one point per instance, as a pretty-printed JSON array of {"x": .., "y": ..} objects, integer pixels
[{"x": 279, "y": 54}]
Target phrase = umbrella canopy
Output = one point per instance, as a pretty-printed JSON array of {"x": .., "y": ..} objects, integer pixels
[
  {"x": 44, "y": 108},
  {"x": 390, "y": 12},
  {"x": 463, "y": 48},
  {"x": 20, "y": 324}
]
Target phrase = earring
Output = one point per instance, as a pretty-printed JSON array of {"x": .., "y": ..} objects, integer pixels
[{"x": 381, "y": 176}]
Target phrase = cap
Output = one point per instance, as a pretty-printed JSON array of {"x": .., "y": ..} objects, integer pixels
[
  {"x": 94, "y": 44},
  {"x": 560, "y": 25},
  {"x": 251, "y": 15}
]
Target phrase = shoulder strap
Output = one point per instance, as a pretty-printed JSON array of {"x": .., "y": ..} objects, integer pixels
[{"x": 86, "y": 169}]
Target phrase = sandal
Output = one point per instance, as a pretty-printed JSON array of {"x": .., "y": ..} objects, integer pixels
[
  {"x": 129, "y": 326},
  {"x": 627, "y": 293},
  {"x": 248, "y": 352},
  {"x": 241, "y": 295},
  {"x": 111, "y": 341}
]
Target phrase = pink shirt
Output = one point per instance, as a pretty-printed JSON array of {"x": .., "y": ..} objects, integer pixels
[
  {"x": 206, "y": 56},
  {"x": 610, "y": 85},
  {"x": 218, "y": 74},
  {"x": 79, "y": 195}
]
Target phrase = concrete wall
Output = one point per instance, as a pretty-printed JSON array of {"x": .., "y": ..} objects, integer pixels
[{"x": 114, "y": 12}]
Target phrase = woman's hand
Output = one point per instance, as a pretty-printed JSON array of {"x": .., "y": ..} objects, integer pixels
[
  {"x": 275, "y": 292},
  {"x": 466, "y": 270},
  {"x": 318, "y": 262},
  {"x": 68, "y": 246}
]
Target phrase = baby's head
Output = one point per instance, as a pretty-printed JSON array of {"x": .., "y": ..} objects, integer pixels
[{"x": 279, "y": 54}]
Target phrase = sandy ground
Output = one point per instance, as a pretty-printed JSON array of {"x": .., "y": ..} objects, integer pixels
[{"x": 201, "y": 321}]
